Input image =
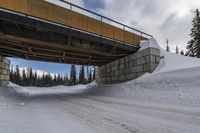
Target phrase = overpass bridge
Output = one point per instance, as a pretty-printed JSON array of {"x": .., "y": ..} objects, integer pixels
[
  {"x": 43, "y": 31},
  {"x": 39, "y": 30}
]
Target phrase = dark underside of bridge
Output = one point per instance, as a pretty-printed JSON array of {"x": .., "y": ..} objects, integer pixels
[{"x": 33, "y": 39}]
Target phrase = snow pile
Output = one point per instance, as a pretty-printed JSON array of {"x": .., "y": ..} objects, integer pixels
[
  {"x": 151, "y": 43},
  {"x": 180, "y": 87},
  {"x": 172, "y": 61},
  {"x": 41, "y": 91}
]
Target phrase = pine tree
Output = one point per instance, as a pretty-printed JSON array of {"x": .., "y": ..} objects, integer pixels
[
  {"x": 88, "y": 73},
  {"x": 90, "y": 76},
  {"x": 182, "y": 52},
  {"x": 66, "y": 80},
  {"x": 194, "y": 44},
  {"x": 177, "y": 50},
  {"x": 35, "y": 82},
  {"x": 94, "y": 72},
  {"x": 82, "y": 75},
  {"x": 167, "y": 48},
  {"x": 24, "y": 81},
  {"x": 73, "y": 79},
  {"x": 31, "y": 77},
  {"x": 11, "y": 74},
  {"x": 17, "y": 75}
]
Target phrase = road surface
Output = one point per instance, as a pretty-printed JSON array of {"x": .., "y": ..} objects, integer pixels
[{"x": 79, "y": 113}]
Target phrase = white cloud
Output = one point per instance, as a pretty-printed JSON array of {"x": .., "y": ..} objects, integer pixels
[{"x": 163, "y": 18}]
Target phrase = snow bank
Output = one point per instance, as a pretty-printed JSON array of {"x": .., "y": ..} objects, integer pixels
[
  {"x": 151, "y": 43},
  {"x": 172, "y": 61},
  {"x": 56, "y": 90},
  {"x": 180, "y": 87}
]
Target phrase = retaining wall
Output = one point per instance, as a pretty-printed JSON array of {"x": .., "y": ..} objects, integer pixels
[
  {"x": 4, "y": 70},
  {"x": 129, "y": 67}
]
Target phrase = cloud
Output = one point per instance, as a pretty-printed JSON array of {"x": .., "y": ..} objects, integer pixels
[{"x": 163, "y": 18}]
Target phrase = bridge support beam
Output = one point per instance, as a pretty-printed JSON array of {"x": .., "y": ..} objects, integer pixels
[
  {"x": 4, "y": 71},
  {"x": 129, "y": 67}
]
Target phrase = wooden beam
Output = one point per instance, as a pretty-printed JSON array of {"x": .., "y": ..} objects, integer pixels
[
  {"x": 47, "y": 55},
  {"x": 50, "y": 45},
  {"x": 45, "y": 59}
]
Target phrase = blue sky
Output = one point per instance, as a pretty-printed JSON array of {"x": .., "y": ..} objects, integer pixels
[
  {"x": 45, "y": 66},
  {"x": 94, "y": 4}
]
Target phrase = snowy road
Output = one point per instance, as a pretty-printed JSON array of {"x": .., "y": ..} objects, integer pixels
[{"x": 92, "y": 114}]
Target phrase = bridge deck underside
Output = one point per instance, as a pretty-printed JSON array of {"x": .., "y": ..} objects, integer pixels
[{"x": 24, "y": 37}]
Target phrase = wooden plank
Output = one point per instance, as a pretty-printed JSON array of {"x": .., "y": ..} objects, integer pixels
[
  {"x": 93, "y": 26},
  {"x": 49, "y": 11},
  {"x": 78, "y": 21},
  {"x": 107, "y": 30},
  {"x": 16, "y": 5},
  {"x": 128, "y": 37},
  {"x": 118, "y": 34},
  {"x": 54, "y": 13}
]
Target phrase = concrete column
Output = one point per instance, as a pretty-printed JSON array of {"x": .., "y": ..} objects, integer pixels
[{"x": 4, "y": 71}]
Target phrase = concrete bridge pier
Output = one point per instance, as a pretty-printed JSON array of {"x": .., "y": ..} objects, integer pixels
[
  {"x": 4, "y": 70},
  {"x": 129, "y": 67}
]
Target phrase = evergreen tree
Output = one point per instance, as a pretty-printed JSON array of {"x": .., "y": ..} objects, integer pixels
[
  {"x": 82, "y": 75},
  {"x": 12, "y": 74},
  {"x": 35, "y": 82},
  {"x": 31, "y": 78},
  {"x": 167, "y": 48},
  {"x": 90, "y": 76},
  {"x": 66, "y": 80},
  {"x": 24, "y": 79},
  {"x": 94, "y": 72},
  {"x": 182, "y": 52},
  {"x": 73, "y": 79},
  {"x": 17, "y": 75},
  {"x": 177, "y": 50},
  {"x": 194, "y": 44}
]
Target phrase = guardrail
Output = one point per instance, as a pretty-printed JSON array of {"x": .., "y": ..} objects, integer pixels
[
  {"x": 106, "y": 18},
  {"x": 67, "y": 15}
]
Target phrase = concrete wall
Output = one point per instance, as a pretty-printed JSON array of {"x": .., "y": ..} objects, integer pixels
[
  {"x": 129, "y": 67},
  {"x": 4, "y": 70}
]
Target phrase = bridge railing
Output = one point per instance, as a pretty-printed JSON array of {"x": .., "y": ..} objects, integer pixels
[
  {"x": 124, "y": 27},
  {"x": 99, "y": 25}
]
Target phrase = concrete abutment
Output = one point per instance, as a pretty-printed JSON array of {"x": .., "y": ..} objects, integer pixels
[
  {"x": 129, "y": 67},
  {"x": 4, "y": 71}
]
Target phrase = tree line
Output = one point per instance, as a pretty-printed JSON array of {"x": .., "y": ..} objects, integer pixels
[
  {"x": 29, "y": 77},
  {"x": 193, "y": 47}
]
